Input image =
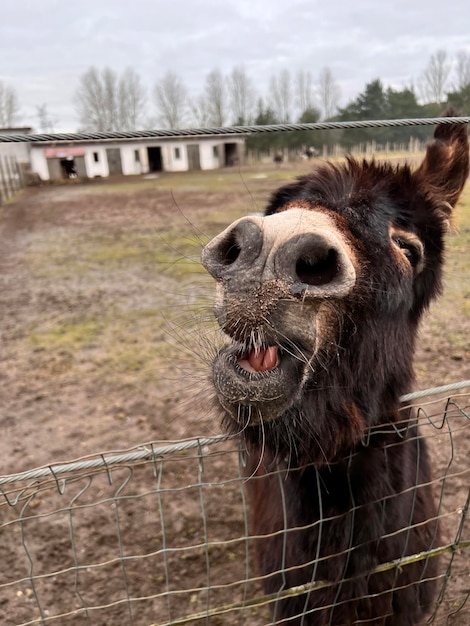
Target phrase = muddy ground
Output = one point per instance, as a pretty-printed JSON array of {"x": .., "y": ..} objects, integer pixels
[{"x": 106, "y": 334}]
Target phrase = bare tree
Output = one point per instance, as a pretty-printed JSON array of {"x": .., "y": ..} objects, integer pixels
[
  {"x": 216, "y": 97},
  {"x": 462, "y": 70},
  {"x": 328, "y": 93},
  {"x": 304, "y": 91},
  {"x": 434, "y": 79},
  {"x": 242, "y": 96},
  {"x": 281, "y": 95},
  {"x": 45, "y": 119},
  {"x": 9, "y": 106},
  {"x": 171, "y": 98},
  {"x": 107, "y": 102},
  {"x": 131, "y": 100},
  {"x": 199, "y": 108},
  {"x": 94, "y": 99}
]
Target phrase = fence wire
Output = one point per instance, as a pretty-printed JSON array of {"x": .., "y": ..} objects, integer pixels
[
  {"x": 227, "y": 130},
  {"x": 160, "y": 535}
]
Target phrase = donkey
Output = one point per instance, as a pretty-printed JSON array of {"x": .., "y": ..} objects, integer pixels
[{"x": 320, "y": 301}]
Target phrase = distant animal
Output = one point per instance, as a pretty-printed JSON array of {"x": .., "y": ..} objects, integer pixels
[
  {"x": 320, "y": 301},
  {"x": 311, "y": 153}
]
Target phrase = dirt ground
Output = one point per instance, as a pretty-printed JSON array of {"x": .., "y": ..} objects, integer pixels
[{"x": 106, "y": 333}]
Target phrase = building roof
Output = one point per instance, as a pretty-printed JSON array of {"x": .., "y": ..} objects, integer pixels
[{"x": 15, "y": 130}]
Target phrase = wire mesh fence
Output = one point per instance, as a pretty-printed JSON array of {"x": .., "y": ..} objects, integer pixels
[{"x": 160, "y": 535}]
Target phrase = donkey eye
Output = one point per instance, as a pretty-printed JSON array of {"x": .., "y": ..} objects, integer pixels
[{"x": 410, "y": 251}]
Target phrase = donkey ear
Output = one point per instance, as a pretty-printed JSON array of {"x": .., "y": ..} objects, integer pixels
[{"x": 445, "y": 168}]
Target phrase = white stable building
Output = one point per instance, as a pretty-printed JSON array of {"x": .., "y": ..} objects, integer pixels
[
  {"x": 18, "y": 150},
  {"x": 91, "y": 158}
]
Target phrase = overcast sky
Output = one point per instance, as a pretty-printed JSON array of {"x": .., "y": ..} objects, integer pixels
[{"x": 45, "y": 45}]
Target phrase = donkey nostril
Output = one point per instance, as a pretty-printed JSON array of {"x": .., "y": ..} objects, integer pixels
[
  {"x": 235, "y": 250},
  {"x": 229, "y": 250},
  {"x": 319, "y": 269}
]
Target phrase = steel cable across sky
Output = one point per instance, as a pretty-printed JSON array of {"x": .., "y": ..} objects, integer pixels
[{"x": 225, "y": 130}]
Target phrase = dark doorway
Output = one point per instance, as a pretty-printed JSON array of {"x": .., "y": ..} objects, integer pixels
[
  {"x": 68, "y": 168},
  {"x": 231, "y": 154},
  {"x": 194, "y": 161},
  {"x": 114, "y": 160},
  {"x": 155, "y": 159},
  {"x": 64, "y": 168}
]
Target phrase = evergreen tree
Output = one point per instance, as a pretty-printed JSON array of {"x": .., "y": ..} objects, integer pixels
[
  {"x": 371, "y": 104},
  {"x": 460, "y": 100},
  {"x": 301, "y": 140},
  {"x": 265, "y": 142},
  {"x": 376, "y": 103},
  {"x": 401, "y": 105}
]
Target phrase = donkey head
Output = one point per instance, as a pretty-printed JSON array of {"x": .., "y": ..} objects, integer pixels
[{"x": 320, "y": 298}]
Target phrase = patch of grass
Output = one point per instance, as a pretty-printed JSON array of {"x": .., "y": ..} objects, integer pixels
[
  {"x": 450, "y": 314},
  {"x": 208, "y": 181},
  {"x": 76, "y": 333},
  {"x": 458, "y": 250},
  {"x": 171, "y": 253},
  {"x": 133, "y": 346}
]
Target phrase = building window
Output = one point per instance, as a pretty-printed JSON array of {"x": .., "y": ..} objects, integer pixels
[
  {"x": 215, "y": 152},
  {"x": 96, "y": 157},
  {"x": 177, "y": 153},
  {"x": 137, "y": 156}
]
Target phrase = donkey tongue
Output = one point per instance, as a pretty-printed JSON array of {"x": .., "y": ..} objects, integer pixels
[{"x": 260, "y": 360}]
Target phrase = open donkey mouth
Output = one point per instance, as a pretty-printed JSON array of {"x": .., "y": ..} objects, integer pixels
[
  {"x": 259, "y": 359},
  {"x": 255, "y": 384}
]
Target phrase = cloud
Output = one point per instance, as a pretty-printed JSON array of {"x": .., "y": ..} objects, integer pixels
[{"x": 46, "y": 45}]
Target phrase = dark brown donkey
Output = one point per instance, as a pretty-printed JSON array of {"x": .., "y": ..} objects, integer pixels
[{"x": 320, "y": 300}]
